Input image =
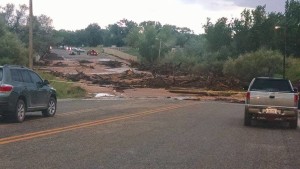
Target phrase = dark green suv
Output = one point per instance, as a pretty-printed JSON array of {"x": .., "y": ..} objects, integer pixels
[{"x": 22, "y": 90}]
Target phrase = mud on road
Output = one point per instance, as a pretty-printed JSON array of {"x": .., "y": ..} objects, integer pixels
[{"x": 116, "y": 76}]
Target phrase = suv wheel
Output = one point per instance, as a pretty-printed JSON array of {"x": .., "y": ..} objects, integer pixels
[
  {"x": 247, "y": 118},
  {"x": 51, "y": 110},
  {"x": 19, "y": 114}
]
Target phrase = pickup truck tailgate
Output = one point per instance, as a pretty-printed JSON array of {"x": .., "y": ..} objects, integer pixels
[{"x": 272, "y": 99}]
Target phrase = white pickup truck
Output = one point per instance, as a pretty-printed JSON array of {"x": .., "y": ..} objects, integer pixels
[{"x": 271, "y": 99}]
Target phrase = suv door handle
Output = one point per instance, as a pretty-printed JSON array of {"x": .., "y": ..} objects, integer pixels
[{"x": 272, "y": 97}]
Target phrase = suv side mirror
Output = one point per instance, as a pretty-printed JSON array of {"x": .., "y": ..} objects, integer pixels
[{"x": 46, "y": 82}]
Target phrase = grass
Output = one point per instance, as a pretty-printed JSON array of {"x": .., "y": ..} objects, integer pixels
[{"x": 63, "y": 88}]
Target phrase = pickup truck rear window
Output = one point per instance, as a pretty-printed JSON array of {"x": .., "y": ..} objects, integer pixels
[
  {"x": 271, "y": 85},
  {"x": 1, "y": 74}
]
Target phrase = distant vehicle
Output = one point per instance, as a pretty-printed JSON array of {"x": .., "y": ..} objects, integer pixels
[
  {"x": 92, "y": 53},
  {"x": 23, "y": 90},
  {"x": 271, "y": 99},
  {"x": 80, "y": 50},
  {"x": 77, "y": 51}
]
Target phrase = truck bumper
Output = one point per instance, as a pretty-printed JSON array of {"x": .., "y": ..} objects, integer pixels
[{"x": 281, "y": 113}]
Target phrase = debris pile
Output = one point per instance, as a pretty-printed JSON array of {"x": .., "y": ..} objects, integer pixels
[
  {"x": 112, "y": 64},
  {"x": 166, "y": 76},
  {"x": 52, "y": 56}
]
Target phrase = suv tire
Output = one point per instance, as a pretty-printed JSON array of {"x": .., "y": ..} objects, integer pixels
[
  {"x": 20, "y": 111},
  {"x": 51, "y": 110}
]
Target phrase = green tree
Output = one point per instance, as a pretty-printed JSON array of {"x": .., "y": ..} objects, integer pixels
[
  {"x": 12, "y": 50},
  {"x": 133, "y": 37},
  {"x": 149, "y": 46},
  {"x": 94, "y": 35},
  {"x": 260, "y": 63},
  {"x": 218, "y": 34},
  {"x": 43, "y": 35},
  {"x": 292, "y": 26}
]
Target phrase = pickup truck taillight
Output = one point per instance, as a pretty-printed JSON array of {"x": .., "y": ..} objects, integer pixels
[
  {"x": 247, "y": 96},
  {"x": 296, "y": 98},
  {"x": 5, "y": 88}
]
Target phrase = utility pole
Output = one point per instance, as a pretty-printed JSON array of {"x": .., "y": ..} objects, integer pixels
[
  {"x": 285, "y": 53},
  {"x": 30, "y": 35}
]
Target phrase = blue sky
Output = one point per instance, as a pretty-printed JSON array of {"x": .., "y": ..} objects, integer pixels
[{"x": 75, "y": 14}]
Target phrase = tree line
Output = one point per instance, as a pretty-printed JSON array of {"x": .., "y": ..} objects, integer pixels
[{"x": 251, "y": 45}]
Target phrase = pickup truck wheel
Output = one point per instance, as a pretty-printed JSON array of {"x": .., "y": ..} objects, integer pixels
[
  {"x": 51, "y": 110},
  {"x": 293, "y": 124},
  {"x": 247, "y": 118}
]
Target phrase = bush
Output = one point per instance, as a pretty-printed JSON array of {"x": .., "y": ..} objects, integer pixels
[
  {"x": 260, "y": 63},
  {"x": 64, "y": 89},
  {"x": 293, "y": 69},
  {"x": 208, "y": 64}
]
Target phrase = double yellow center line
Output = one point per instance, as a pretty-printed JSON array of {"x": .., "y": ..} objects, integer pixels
[{"x": 38, "y": 134}]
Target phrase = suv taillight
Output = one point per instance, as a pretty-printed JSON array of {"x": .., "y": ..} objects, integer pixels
[
  {"x": 247, "y": 96},
  {"x": 296, "y": 97},
  {"x": 5, "y": 88}
]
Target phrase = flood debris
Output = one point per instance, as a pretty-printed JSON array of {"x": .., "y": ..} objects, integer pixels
[
  {"x": 167, "y": 76},
  {"x": 111, "y": 63},
  {"x": 51, "y": 56}
]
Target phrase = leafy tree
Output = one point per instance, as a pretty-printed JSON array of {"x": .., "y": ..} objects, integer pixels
[
  {"x": 114, "y": 36},
  {"x": 8, "y": 13},
  {"x": 260, "y": 63},
  {"x": 94, "y": 35},
  {"x": 195, "y": 46},
  {"x": 12, "y": 50},
  {"x": 132, "y": 38},
  {"x": 183, "y": 35},
  {"x": 66, "y": 37},
  {"x": 43, "y": 35},
  {"x": 15, "y": 19},
  {"x": 218, "y": 34},
  {"x": 292, "y": 26},
  {"x": 117, "y": 34},
  {"x": 149, "y": 46}
]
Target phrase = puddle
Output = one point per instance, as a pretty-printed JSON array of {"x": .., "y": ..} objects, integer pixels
[
  {"x": 103, "y": 95},
  {"x": 118, "y": 70},
  {"x": 104, "y": 60}
]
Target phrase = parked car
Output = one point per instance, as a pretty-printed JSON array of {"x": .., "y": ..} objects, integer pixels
[
  {"x": 23, "y": 90},
  {"x": 271, "y": 99},
  {"x": 92, "y": 53}
]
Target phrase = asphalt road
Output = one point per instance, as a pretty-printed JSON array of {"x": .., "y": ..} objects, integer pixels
[{"x": 147, "y": 133}]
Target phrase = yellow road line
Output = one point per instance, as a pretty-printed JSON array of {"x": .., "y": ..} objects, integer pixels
[
  {"x": 77, "y": 112},
  {"x": 87, "y": 124}
]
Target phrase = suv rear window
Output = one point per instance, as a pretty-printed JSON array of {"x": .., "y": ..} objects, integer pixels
[
  {"x": 271, "y": 85},
  {"x": 1, "y": 74}
]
